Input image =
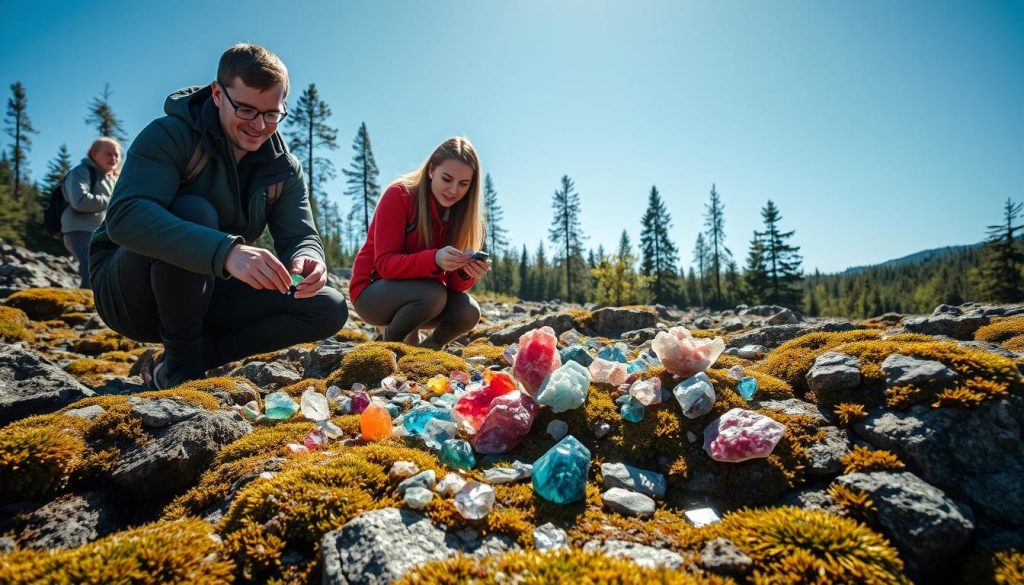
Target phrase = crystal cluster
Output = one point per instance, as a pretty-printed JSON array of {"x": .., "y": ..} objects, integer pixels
[
  {"x": 537, "y": 357},
  {"x": 696, "y": 395},
  {"x": 566, "y": 388},
  {"x": 739, "y": 435},
  {"x": 560, "y": 475},
  {"x": 684, "y": 355},
  {"x": 507, "y": 423}
]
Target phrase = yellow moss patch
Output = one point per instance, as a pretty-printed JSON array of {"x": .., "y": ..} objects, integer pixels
[
  {"x": 862, "y": 459},
  {"x": 421, "y": 364},
  {"x": 213, "y": 486},
  {"x": 1015, "y": 343},
  {"x": 264, "y": 440},
  {"x": 104, "y": 341},
  {"x": 960, "y": 397},
  {"x": 14, "y": 325},
  {"x": 356, "y": 335},
  {"x": 369, "y": 364},
  {"x": 1009, "y": 567},
  {"x": 554, "y": 567},
  {"x": 50, "y": 303},
  {"x": 36, "y": 461},
  {"x": 791, "y": 545},
  {"x": 118, "y": 356},
  {"x": 854, "y": 502},
  {"x": 241, "y": 390},
  {"x": 791, "y": 360},
  {"x": 850, "y": 413},
  {"x": 295, "y": 390},
  {"x": 1001, "y": 330},
  {"x": 183, "y": 551},
  {"x": 96, "y": 372},
  {"x": 482, "y": 348},
  {"x": 75, "y": 318}
]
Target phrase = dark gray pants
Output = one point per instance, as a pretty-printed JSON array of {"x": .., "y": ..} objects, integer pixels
[
  {"x": 406, "y": 306},
  {"x": 204, "y": 321},
  {"x": 78, "y": 244}
]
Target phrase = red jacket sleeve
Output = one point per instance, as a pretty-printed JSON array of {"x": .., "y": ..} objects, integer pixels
[
  {"x": 390, "y": 259},
  {"x": 459, "y": 281}
]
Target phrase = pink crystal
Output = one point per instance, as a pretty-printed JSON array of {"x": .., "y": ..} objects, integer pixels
[
  {"x": 474, "y": 405},
  {"x": 603, "y": 371},
  {"x": 360, "y": 400},
  {"x": 314, "y": 440},
  {"x": 741, "y": 434},
  {"x": 684, "y": 355},
  {"x": 537, "y": 357},
  {"x": 647, "y": 392},
  {"x": 296, "y": 448},
  {"x": 507, "y": 423},
  {"x": 460, "y": 377}
]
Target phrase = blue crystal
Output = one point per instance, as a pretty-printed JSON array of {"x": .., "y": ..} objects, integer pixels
[
  {"x": 565, "y": 388},
  {"x": 576, "y": 354},
  {"x": 279, "y": 406},
  {"x": 476, "y": 377},
  {"x": 458, "y": 454},
  {"x": 560, "y": 475},
  {"x": 696, "y": 395},
  {"x": 612, "y": 354},
  {"x": 393, "y": 409},
  {"x": 632, "y": 410},
  {"x": 747, "y": 387},
  {"x": 436, "y": 431},
  {"x": 417, "y": 418}
]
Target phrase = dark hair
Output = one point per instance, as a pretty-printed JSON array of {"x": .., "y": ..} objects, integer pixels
[{"x": 256, "y": 66}]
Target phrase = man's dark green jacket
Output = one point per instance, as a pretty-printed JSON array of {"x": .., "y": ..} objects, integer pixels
[{"x": 154, "y": 174}]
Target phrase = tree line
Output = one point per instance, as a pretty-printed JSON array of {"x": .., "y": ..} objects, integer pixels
[{"x": 653, "y": 272}]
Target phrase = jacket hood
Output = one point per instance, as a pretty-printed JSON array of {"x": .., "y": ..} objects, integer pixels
[{"x": 186, "y": 103}]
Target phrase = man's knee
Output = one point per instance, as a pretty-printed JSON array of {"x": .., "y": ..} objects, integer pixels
[
  {"x": 327, "y": 312},
  {"x": 195, "y": 209}
]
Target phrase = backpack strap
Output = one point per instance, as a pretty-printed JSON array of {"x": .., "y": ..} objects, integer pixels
[
  {"x": 274, "y": 192},
  {"x": 197, "y": 162}
]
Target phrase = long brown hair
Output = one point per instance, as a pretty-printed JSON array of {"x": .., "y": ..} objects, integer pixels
[{"x": 467, "y": 219}]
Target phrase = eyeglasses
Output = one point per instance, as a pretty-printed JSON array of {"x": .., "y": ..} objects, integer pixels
[{"x": 247, "y": 112}]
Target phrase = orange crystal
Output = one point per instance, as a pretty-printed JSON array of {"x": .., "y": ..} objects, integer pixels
[{"x": 375, "y": 422}]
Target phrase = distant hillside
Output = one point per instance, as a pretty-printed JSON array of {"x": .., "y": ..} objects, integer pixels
[
  {"x": 912, "y": 284},
  {"x": 922, "y": 256}
]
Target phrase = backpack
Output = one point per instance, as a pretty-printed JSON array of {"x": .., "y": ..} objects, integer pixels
[
  {"x": 57, "y": 203},
  {"x": 197, "y": 162}
]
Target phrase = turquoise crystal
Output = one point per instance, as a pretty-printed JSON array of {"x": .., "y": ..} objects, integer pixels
[
  {"x": 565, "y": 388},
  {"x": 576, "y": 354},
  {"x": 417, "y": 418},
  {"x": 612, "y": 354},
  {"x": 458, "y": 454},
  {"x": 632, "y": 410},
  {"x": 393, "y": 409},
  {"x": 560, "y": 475},
  {"x": 747, "y": 387},
  {"x": 280, "y": 406},
  {"x": 436, "y": 431}
]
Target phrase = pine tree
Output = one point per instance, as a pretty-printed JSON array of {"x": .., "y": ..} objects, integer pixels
[
  {"x": 101, "y": 117},
  {"x": 781, "y": 260},
  {"x": 618, "y": 282},
  {"x": 700, "y": 258},
  {"x": 718, "y": 254},
  {"x": 755, "y": 274},
  {"x": 57, "y": 169},
  {"x": 659, "y": 255},
  {"x": 525, "y": 290},
  {"x": 1001, "y": 267},
  {"x": 362, "y": 176},
  {"x": 308, "y": 133},
  {"x": 732, "y": 283},
  {"x": 539, "y": 278},
  {"x": 19, "y": 127},
  {"x": 565, "y": 233},
  {"x": 693, "y": 294},
  {"x": 493, "y": 215}
]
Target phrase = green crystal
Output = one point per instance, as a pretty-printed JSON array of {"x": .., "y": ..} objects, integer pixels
[{"x": 280, "y": 406}]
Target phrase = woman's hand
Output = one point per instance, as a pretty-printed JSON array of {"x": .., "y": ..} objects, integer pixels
[
  {"x": 476, "y": 269},
  {"x": 450, "y": 258}
]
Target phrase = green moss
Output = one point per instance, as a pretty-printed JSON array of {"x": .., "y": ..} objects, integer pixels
[
  {"x": 50, "y": 303},
  {"x": 565, "y": 566},
  {"x": 182, "y": 551},
  {"x": 14, "y": 325},
  {"x": 790, "y": 361},
  {"x": 369, "y": 364}
]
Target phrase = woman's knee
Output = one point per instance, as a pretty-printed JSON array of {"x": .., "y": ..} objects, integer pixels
[
  {"x": 465, "y": 313},
  {"x": 195, "y": 209}
]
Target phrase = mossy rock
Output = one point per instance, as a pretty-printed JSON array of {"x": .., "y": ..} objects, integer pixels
[
  {"x": 50, "y": 303},
  {"x": 422, "y": 364},
  {"x": 356, "y": 335},
  {"x": 566, "y": 566},
  {"x": 104, "y": 341},
  {"x": 184, "y": 551},
  {"x": 14, "y": 325},
  {"x": 791, "y": 361},
  {"x": 241, "y": 390},
  {"x": 75, "y": 318},
  {"x": 368, "y": 363},
  {"x": 36, "y": 461},
  {"x": 96, "y": 372},
  {"x": 1002, "y": 330},
  {"x": 483, "y": 348}
]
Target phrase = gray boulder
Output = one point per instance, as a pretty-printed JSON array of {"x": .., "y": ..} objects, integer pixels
[
  {"x": 823, "y": 457},
  {"x": 613, "y": 322},
  {"x": 268, "y": 374},
  {"x": 68, "y": 521},
  {"x": 30, "y": 384},
  {"x": 641, "y": 554},
  {"x": 928, "y": 528},
  {"x": 620, "y": 475},
  {"x": 175, "y": 456},
  {"x": 380, "y": 546},
  {"x": 905, "y": 370},
  {"x": 948, "y": 321},
  {"x": 974, "y": 455},
  {"x": 560, "y": 322},
  {"x": 772, "y": 336},
  {"x": 722, "y": 556},
  {"x": 833, "y": 372},
  {"x": 784, "y": 317},
  {"x": 628, "y": 503},
  {"x": 21, "y": 268},
  {"x": 161, "y": 412},
  {"x": 325, "y": 357},
  {"x": 761, "y": 310}
]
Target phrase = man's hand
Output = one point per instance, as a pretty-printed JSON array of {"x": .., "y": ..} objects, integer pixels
[
  {"x": 315, "y": 272},
  {"x": 477, "y": 269},
  {"x": 450, "y": 258},
  {"x": 258, "y": 268}
]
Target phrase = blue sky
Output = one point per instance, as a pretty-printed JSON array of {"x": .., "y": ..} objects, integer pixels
[{"x": 878, "y": 127}]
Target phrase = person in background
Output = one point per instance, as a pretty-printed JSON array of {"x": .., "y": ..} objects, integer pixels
[
  {"x": 87, "y": 188},
  {"x": 418, "y": 260}
]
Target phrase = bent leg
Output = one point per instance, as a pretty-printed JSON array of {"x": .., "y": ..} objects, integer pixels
[
  {"x": 244, "y": 321},
  {"x": 404, "y": 306},
  {"x": 460, "y": 315}
]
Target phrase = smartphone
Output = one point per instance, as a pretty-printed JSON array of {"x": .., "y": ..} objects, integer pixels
[{"x": 481, "y": 256}]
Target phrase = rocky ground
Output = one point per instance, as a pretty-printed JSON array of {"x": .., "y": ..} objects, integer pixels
[{"x": 888, "y": 450}]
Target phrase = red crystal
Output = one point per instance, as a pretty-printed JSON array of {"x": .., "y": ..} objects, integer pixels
[
  {"x": 474, "y": 405},
  {"x": 537, "y": 357},
  {"x": 507, "y": 423}
]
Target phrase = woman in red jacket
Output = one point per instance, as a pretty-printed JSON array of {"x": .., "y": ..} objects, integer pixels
[{"x": 417, "y": 263}]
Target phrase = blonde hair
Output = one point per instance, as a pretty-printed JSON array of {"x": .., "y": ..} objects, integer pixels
[
  {"x": 256, "y": 66},
  {"x": 113, "y": 142},
  {"x": 467, "y": 219}
]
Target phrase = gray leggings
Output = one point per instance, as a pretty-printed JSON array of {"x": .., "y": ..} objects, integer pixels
[
  {"x": 78, "y": 244},
  {"x": 406, "y": 306}
]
